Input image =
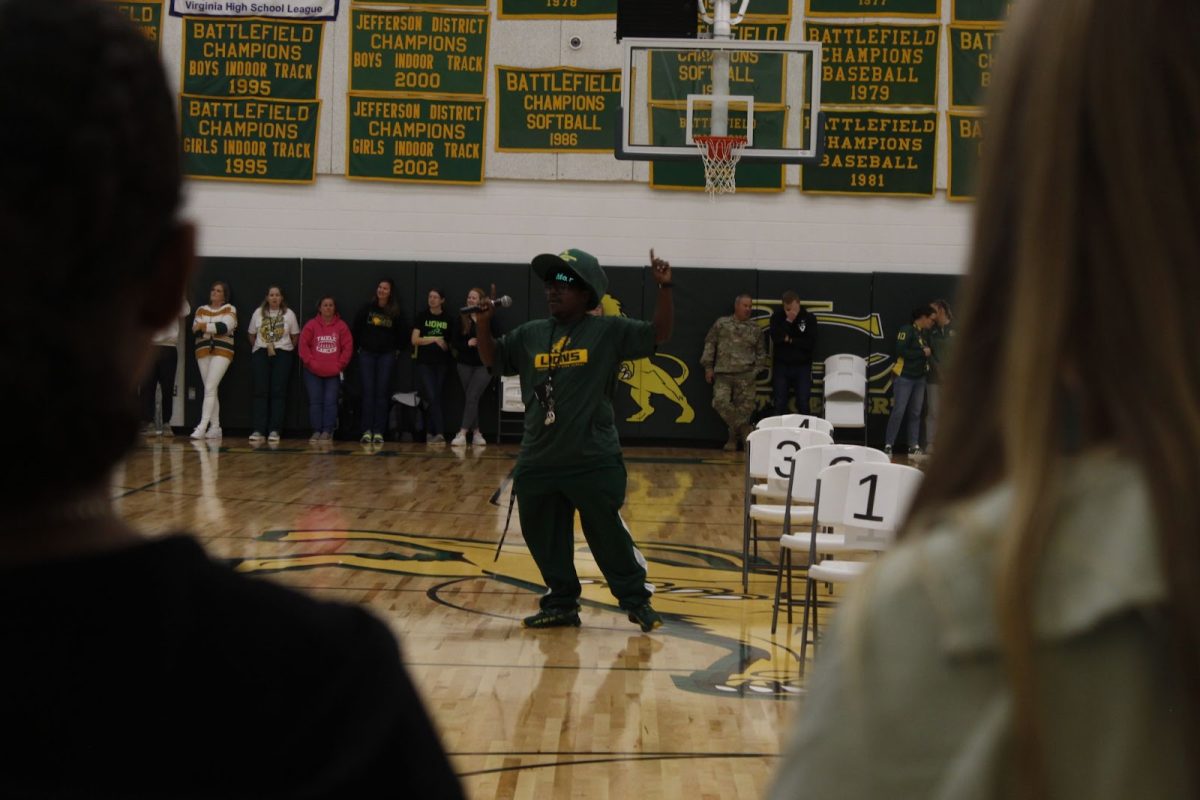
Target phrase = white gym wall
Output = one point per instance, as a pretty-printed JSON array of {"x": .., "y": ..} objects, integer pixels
[{"x": 538, "y": 202}]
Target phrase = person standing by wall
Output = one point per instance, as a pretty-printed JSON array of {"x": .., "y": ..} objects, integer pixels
[
  {"x": 570, "y": 455},
  {"x": 908, "y": 380},
  {"x": 273, "y": 331},
  {"x": 431, "y": 336},
  {"x": 213, "y": 327},
  {"x": 472, "y": 373},
  {"x": 379, "y": 334},
  {"x": 325, "y": 349},
  {"x": 794, "y": 338},
  {"x": 734, "y": 352},
  {"x": 161, "y": 379},
  {"x": 941, "y": 343}
]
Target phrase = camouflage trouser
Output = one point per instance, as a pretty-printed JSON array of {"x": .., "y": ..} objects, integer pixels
[{"x": 733, "y": 398}]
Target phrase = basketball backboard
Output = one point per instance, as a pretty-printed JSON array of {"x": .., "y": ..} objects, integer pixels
[{"x": 672, "y": 92}]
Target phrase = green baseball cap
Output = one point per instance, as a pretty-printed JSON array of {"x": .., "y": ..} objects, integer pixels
[{"x": 577, "y": 264}]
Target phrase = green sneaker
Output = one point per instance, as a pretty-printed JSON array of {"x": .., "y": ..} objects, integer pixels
[
  {"x": 548, "y": 618},
  {"x": 646, "y": 617}
]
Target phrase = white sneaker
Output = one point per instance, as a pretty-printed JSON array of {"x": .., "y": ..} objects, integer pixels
[
  {"x": 213, "y": 433},
  {"x": 256, "y": 437},
  {"x": 273, "y": 436},
  {"x": 316, "y": 437},
  {"x": 149, "y": 431},
  {"x": 198, "y": 433},
  {"x": 437, "y": 438},
  {"x": 478, "y": 439},
  {"x": 460, "y": 440},
  {"x": 166, "y": 432},
  {"x": 326, "y": 436}
]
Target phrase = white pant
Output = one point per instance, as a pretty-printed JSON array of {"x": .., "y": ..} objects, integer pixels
[{"x": 212, "y": 370}]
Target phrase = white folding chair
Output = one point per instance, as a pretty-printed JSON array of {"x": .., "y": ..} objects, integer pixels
[
  {"x": 796, "y": 421},
  {"x": 511, "y": 404},
  {"x": 760, "y": 445},
  {"x": 868, "y": 502},
  {"x": 810, "y": 464},
  {"x": 845, "y": 389}
]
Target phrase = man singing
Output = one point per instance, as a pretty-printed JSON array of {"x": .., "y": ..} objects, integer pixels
[{"x": 570, "y": 456}]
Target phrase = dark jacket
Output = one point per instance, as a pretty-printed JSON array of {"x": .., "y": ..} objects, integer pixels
[{"x": 794, "y": 341}]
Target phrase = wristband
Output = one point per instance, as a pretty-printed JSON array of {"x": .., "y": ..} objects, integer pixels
[{"x": 666, "y": 285}]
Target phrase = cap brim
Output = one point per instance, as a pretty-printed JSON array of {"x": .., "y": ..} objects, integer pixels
[{"x": 549, "y": 263}]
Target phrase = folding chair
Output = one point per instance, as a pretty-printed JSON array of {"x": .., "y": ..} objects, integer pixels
[
  {"x": 510, "y": 418},
  {"x": 845, "y": 389},
  {"x": 868, "y": 502},
  {"x": 760, "y": 444},
  {"x": 808, "y": 466},
  {"x": 796, "y": 421}
]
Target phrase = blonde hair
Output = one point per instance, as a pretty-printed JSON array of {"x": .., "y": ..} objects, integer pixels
[{"x": 1086, "y": 233}]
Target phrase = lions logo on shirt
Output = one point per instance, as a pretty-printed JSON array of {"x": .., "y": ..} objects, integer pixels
[{"x": 558, "y": 357}]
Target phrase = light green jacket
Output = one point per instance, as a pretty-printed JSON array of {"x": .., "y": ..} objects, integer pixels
[{"x": 909, "y": 699}]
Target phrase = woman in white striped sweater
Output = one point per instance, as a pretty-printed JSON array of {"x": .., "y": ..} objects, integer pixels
[{"x": 214, "y": 326}]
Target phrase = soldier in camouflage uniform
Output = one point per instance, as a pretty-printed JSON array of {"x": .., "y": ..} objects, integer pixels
[{"x": 734, "y": 351}]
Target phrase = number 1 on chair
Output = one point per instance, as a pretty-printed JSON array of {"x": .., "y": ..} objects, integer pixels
[{"x": 870, "y": 515}]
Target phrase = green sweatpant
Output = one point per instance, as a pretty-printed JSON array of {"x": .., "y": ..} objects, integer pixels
[{"x": 548, "y": 497}]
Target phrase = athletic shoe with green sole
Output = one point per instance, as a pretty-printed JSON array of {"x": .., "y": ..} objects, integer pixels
[
  {"x": 646, "y": 617},
  {"x": 547, "y": 618}
]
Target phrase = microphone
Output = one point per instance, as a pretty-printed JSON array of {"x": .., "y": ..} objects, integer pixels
[{"x": 503, "y": 301}]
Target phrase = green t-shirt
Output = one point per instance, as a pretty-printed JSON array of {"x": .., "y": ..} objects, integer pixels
[{"x": 583, "y": 358}]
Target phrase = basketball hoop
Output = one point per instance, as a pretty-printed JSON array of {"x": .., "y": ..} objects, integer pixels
[{"x": 720, "y": 155}]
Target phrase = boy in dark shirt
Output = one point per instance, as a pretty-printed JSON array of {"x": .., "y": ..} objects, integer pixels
[{"x": 794, "y": 338}]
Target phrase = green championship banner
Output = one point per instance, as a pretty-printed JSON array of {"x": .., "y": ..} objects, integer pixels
[
  {"x": 758, "y": 28},
  {"x": 674, "y": 74},
  {"x": 926, "y": 9},
  {"x": 442, "y": 52},
  {"x": 966, "y": 145},
  {"x": 557, "y": 109},
  {"x": 877, "y": 65},
  {"x": 668, "y": 125},
  {"x": 251, "y": 57},
  {"x": 147, "y": 15},
  {"x": 558, "y": 9},
  {"x": 247, "y": 139},
  {"x": 980, "y": 10},
  {"x": 415, "y": 138},
  {"x": 877, "y": 153},
  {"x": 971, "y": 50}
]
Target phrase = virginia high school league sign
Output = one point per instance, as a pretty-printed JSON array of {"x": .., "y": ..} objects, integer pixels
[{"x": 289, "y": 9}]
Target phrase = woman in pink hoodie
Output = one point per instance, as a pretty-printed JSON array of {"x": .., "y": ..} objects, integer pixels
[{"x": 325, "y": 349}]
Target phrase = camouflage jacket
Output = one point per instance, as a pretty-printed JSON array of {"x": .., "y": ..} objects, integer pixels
[{"x": 733, "y": 346}]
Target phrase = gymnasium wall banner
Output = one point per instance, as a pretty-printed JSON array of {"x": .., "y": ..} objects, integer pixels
[
  {"x": 668, "y": 123},
  {"x": 760, "y": 8},
  {"x": 557, "y": 9},
  {"x": 280, "y": 59},
  {"x": 980, "y": 10},
  {"x": 557, "y": 109},
  {"x": 146, "y": 15},
  {"x": 674, "y": 74},
  {"x": 280, "y": 9},
  {"x": 925, "y": 9},
  {"x": 415, "y": 138},
  {"x": 971, "y": 48},
  {"x": 966, "y": 143},
  {"x": 877, "y": 153},
  {"x": 439, "y": 52},
  {"x": 249, "y": 139},
  {"x": 755, "y": 28},
  {"x": 877, "y": 65}
]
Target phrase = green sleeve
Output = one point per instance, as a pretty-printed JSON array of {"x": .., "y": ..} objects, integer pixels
[
  {"x": 508, "y": 353},
  {"x": 635, "y": 338}
]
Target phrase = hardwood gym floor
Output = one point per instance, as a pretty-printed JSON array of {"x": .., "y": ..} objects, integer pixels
[{"x": 695, "y": 710}]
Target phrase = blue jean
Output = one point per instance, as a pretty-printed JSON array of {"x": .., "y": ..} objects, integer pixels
[
  {"x": 322, "y": 401},
  {"x": 909, "y": 398},
  {"x": 433, "y": 379},
  {"x": 796, "y": 377},
  {"x": 376, "y": 371}
]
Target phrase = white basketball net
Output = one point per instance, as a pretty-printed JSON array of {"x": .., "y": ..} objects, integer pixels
[{"x": 720, "y": 155}]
